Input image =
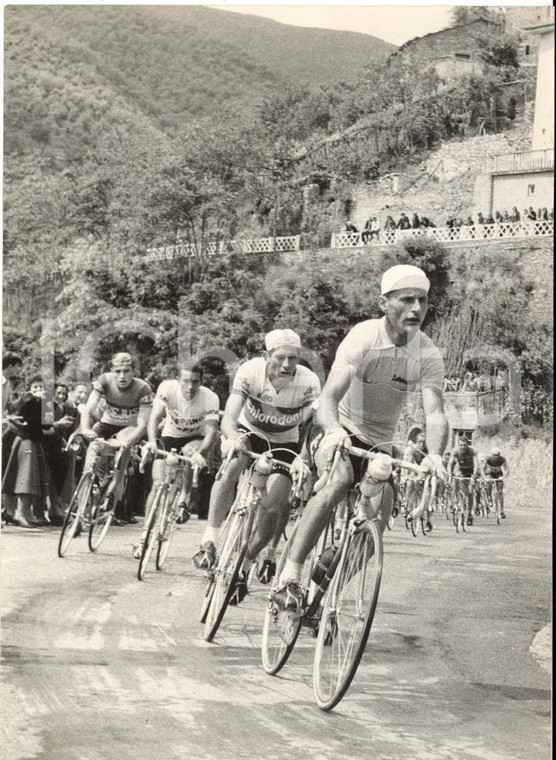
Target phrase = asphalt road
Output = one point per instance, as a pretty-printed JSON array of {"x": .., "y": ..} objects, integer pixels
[{"x": 99, "y": 666}]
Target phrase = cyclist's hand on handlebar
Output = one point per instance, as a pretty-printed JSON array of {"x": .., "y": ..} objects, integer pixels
[
  {"x": 197, "y": 460},
  {"x": 89, "y": 434},
  {"x": 148, "y": 448},
  {"x": 299, "y": 470},
  {"x": 435, "y": 464},
  {"x": 231, "y": 446},
  {"x": 334, "y": 440}
]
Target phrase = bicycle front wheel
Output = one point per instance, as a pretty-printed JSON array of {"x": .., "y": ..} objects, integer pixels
[
  {"x": 152, "y": 532},
  {"x": 227, "y": 568},
  {"x": 280, "y": 627},
  {"x": 101, "y": 519},
  {"x": 348, "y": 611},
  {"x": 168, "y": 526},
  {"x": 73, "y": 521}
]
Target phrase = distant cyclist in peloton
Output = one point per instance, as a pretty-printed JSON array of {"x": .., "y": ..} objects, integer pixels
[
  {"x": 124, "y": 404},
  {"x": 271, "y": 396},
  {"x": 190, "y": 427},
  {"x": 464, "y": 464},
  {"x": 415, "y": 452},
  {"x": 496, "y": 468},
  {"x": 377, "y": 365}
]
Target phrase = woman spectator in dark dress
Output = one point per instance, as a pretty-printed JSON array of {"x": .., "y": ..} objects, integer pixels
[{"x": 25, "y": 482}]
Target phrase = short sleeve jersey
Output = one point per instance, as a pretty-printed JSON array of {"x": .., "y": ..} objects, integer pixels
[
  {"x": 494, "y": 465},
  {"x": 120, "y": 407},
  {"x": 184, "y": 417},
  {"x": 382, "y": 377},
  {"x": 275, "y": 414},
  {"x": 464, "y": 461}
]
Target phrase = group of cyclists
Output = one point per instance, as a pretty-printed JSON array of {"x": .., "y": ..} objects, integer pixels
[{"x": 276, "y": 403}]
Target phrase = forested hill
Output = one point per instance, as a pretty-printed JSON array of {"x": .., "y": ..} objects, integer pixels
[{"x": 69, "y": 69}]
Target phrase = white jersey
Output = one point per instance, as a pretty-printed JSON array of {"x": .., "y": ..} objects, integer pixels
[
  {"x": 382, "y": 377},
  {"x": 275, "y": 414},
  {"x": 186, "y": 418}
]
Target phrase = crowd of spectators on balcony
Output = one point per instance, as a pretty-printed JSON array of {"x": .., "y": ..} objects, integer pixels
[{"x": 372, "y": 228}]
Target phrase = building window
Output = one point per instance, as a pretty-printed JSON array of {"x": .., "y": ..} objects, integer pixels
[
  {"x": 527, "y": 49},
  {"x": 463, "y": 56},
  {"x": 530, "y": 189}
]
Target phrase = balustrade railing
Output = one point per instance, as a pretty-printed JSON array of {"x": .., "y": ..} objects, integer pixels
[
  {"x": 252, "y": 245},
  {"x": 526, "y": 161},
  {"x": 540, "y": 227}
]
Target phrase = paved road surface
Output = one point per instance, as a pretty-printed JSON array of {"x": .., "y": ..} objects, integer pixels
[{"x": 98, "y": 666}]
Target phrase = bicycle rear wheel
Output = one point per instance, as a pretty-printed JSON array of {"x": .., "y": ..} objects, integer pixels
[
  {"x": 226, "y": 570},
  {"x": 168, "y": 526},
  {"x": 348, "y": 610},
  {"x": 75, "y": 514},
  {"x": 152, "y": 531}
]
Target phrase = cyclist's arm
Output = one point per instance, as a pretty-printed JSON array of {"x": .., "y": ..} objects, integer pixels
[
  {"x": 211, "y": 435},
  {"x": 334, "y": 390},
  {"x": 157, "y": 413},
  {"x": 505, "y": 469},
  {"x": 475, "y": 465},
  {"x": 233, "y": 408},
  {"x": 141, "y": 427},
  {"x": 436, "y": 422},
  {"x": 87, "y": 419},
  {"x": 451, "y": 463}
]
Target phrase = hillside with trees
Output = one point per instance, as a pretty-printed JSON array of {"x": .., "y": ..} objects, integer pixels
[{"x": 105, "y": 156}]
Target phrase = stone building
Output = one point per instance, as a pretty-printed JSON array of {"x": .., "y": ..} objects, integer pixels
[
  {"x": 526, "y": 178},
  {"x": 453, "y": 52}
]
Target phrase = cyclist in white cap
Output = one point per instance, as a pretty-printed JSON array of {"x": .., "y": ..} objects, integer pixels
[
  {"x": 377, "y": 365},
  {"x": 271, "y": 396},
  {"x": 495, "y": 467},
  {"x": 123, "y": 403}
]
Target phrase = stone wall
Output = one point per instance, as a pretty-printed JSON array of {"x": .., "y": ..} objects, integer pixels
[{"x": 443, "y": 185}]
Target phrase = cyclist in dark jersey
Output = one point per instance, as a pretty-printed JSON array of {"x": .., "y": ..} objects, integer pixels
[
  {"x": 464, "y": 464},
  {"x": 124, "y": 404},
  {"x": 496, "y": 468}
]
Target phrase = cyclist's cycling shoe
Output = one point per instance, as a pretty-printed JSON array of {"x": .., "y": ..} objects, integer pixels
[
  {"x": 183, "y": 514},
  {"x": 240, "y": 590},
  {"x": 428, "y": 526},
  {"x": 206, "y": 556},
  {"x": 395, "y": 512},
  {"x": 289, "y": 597},
  {"x": 503, "y": 515},
  {"x": 137, "y": 551},
  {"x": 267, "y": 571},
  {"x": 477, "y": 512},
  {"x": 469, "y": 521}
]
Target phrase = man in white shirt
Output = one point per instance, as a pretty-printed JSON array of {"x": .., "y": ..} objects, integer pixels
[{"x": 378, "y": 363}]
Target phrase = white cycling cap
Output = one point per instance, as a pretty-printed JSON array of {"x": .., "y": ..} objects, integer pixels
[
  {"x": 279, "y": 338},
  {"x": 404, "y": 276},
  {"x": 495, "y": 451}
]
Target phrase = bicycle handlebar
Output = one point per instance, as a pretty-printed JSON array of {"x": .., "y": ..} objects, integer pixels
[
  {"x": 370, "y": 455},
  {"x": 173, "y": 453}
]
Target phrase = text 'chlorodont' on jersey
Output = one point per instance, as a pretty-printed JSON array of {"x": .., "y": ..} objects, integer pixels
[
  {"x": 120, "y": 406},
  {"x": 276, "y": 414},
  {"x": 186, "y": 417},
  {"x": 382, "y": 377}
]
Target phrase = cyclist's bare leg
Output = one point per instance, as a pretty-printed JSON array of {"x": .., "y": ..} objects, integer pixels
[
  {"x": 273, "y": 511},
  {"x": 222, "y": 496},
  {"x": 319, "y": 508}
]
